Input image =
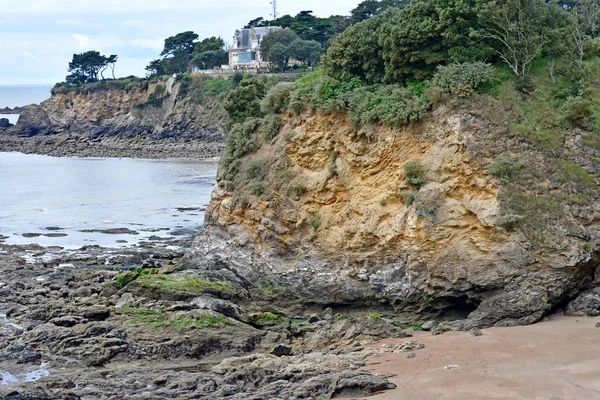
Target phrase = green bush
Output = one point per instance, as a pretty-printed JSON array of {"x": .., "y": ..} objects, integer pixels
[
  {"x": 270, "y": 126},
  {"x": 464, "y": 79},
  {"x": 277, "y": 98},
  {"x": 410, "y": 198},
  {"x": 415, "y": 173},
  {"x": 257, "y": 188},
  {"x": 503, "y": 168},
  {"x": 576, "y": 111},
  {"x": 243, "y": 102},
  {"x": 256, "y": 169},
  {"x": 314, "y": 220},
  {"x": 241, "y": 140}
]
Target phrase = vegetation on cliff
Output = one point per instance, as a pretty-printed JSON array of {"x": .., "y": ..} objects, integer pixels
[{"x": 537, "y": 61}]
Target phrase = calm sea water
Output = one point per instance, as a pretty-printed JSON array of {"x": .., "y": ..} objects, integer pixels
[
  {"x": 74, "y": 194},
  {"x": 22, "y": 95}
]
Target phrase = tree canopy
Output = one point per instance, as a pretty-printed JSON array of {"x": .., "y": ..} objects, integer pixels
[
  {"x": 88, "y": 67},
  {"x": 183, "y": 51}
]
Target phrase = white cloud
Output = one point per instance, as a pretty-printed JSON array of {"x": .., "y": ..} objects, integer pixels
[
  {"x": 97, "y": 43},
  {"x": 153, "y": 44},
  {"x": 30, "y": 55}
]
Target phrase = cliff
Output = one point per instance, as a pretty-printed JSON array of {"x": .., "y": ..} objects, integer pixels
[
  {"x": 140, "y": 119},
  {"x": 459, "y": 217}
]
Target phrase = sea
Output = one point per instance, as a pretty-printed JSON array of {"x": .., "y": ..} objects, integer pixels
[
  {"x": 70, "y": 201},
  {"x": 22, "y": 95}
]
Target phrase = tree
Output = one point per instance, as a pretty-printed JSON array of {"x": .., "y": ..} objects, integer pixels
[
  {"x": 110, "y": 63},
  {"x": 156, "y": 68},
  {"x": 370, "y": 8},
  {"x": 210, "y": 53},
  {"x": 584, "y": 26},
  {"x": 306, "y": 25},
  {"x": 210, "y": 59},
  {"x": 255, "y": 22},
  {"x": 276, "y": 47},
  {"x": 356, "y": 52},
  {"x": 244, "y": 101},
  {"x": 178, "y": 50},
  {"x": 518, "y": 30},
  {"x": 85, "y": 67},
  {"x": 428, "y": 33},
  {"x": 306, "y": 51}
]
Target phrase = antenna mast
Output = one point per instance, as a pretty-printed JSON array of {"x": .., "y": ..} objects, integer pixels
[{"x": 274, "y": 2}]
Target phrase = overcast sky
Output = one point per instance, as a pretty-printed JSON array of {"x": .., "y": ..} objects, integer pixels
[{"x": 39, "y": 37}]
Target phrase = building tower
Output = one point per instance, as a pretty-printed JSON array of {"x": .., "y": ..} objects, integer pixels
[{"x": 274, "y": 3}]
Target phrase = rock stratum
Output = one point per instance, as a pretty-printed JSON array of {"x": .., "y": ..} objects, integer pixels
[
  {"x": 154, "y": 119},
  {"x": 495, "y": 231}
]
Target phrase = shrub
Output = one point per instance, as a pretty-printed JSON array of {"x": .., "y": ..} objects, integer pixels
[
  {"x": 270, "y": 126},
  {"x": 256, "y": 169},
  {"x": 568, "y": 171},
  {"x": 243, "y": 102},
  {"x": 410, "y": 198},
  {"x": 332, "y": 170},
  {"x": 391, "y": 105},
  {"x": 314, "y": 220},
  {"x": 383, "y": 202},
  {"x": 299, "y": 189},
  {"x": 257, "y": 188},
  {"x": 503, "y": 168},
  {"x": 415, "y": 173},
  {"x": 277, "y": 98},
  {"x": 576, "y": 111},
  {"x": 465, "y": 78},
  {"x": 241, "y": 140}
]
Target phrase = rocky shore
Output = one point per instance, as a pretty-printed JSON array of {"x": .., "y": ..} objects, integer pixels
[
  {"x": 93, "y": 325},
  {"x": 145, "y": 119},
  {"x": 74, "y": 145}
]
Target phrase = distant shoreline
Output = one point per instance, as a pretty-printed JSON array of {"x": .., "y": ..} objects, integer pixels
[{"x": 78, "y": 146}]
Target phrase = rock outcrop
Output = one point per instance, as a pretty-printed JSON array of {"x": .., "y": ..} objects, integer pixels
[
  {"x": 145, "y": 121},
  {"x": 340, "y": 223}
]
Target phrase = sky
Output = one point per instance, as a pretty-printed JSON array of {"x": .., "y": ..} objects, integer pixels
[{"x": 39, "y": 37}]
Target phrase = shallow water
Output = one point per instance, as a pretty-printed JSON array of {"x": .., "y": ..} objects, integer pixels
[
  {"x": 23, "y": 95},
  {"x": 70, "y": 195}
]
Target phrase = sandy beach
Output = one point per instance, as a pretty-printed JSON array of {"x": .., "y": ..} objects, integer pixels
[{"x": 558, "y": 359}]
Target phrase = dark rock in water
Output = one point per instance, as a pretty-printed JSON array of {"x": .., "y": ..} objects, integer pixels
[
  {"x": 184, "y": 209},
  {"x": 598, "y": 325},
  {"x": 54, "y": 228},
  {"x": 411, "y": 355},
  {"x": 55, "y": 235},
  {"x": 183, "y": 232},
  {"x": 281, "y": 350},
  {"x": 476, "y": 332},
  {"x": 112, "y": 231},
  {"x": 31, "y": 235}
]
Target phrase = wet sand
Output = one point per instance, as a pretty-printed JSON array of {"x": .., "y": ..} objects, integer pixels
[{"x": 557, "y": 359}]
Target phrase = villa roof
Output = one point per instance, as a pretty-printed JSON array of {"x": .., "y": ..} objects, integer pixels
[{"x": 247, "y": 35}]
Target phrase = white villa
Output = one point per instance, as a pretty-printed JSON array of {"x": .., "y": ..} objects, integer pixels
[{"x": 244, "y": 53}]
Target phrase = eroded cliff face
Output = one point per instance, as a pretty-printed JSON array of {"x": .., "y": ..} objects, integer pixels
[
  {"x": 339, "y": 225},
  {"x": 154, "y": 120}
]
